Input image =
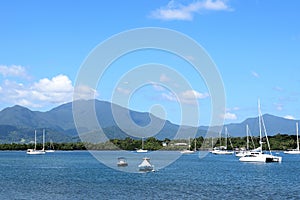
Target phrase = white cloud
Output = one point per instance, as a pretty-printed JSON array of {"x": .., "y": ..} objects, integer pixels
[
  {"x": 289, "y": 117},
  {"x": 45, "y": 92},
  {"x": 177, "y": 11},
  {"x": 256, "y": 75},
  {"x": 13, "y": 71},
  {"x": 193, "y": 94},
  {"x": 164, "y": 78},
  {"x": 169, "y": 96},
  {"x": 84, "y": 92},
  {"x": 157, "y": 87},
  {"x": 230, "y": 116},
  {"x": 123, "y": 91},
  {"x": 186, "y": 97},
  {"x": 60, "y": 83},
  {"x": 278, "y": 106},
  {"x": 277, "y": 88}
]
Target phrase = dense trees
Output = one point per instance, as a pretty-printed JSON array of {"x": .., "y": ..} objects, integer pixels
[{"x": 277, "y": 142}]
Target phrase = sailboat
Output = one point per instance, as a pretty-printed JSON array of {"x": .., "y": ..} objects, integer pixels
[
  {"x": 146, "y": 166},
  {"x": 247, "y": 150},
  {"x": 142, "y": 150},
  {"x": 189, "y": 151},
  {"x": 294, "y": 151},
  {"x": 222, "y": 150},
  {"x": 51, "y": 149},
  {"x": 35, "y": 151},
  {"x": 259, "y": 156}
]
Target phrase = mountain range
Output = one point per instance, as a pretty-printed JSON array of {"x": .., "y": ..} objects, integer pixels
[{"x": 17, "y": 124}]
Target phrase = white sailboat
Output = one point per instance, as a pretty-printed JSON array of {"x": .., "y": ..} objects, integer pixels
[
  {"x": 188, "y": 151},
  {"x": 142, "y": 150},
  {"x": 259, "y": 156},
  {"x": 294, "y": 151},
  {"x": 146, "y": 166},
  {"x": 35, "y": 151},
  {"x": 51, "y": 149},
  {"x": 247, "y": 150},
  {"x": 222, "y": 150}
]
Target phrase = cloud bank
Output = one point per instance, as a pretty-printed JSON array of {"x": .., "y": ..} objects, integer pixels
[{"x": 177, "y": 11}]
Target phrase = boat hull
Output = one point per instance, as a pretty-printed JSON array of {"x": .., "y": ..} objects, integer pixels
[
  {"x": 141, "y": 151},
  {"x": 187, "y": 152},
  {"x": 261, "y": 158},
  {"x": 35, "y": 152},
  {"x": 292, "y": 152},
  {"x": 222, "y": 152}
]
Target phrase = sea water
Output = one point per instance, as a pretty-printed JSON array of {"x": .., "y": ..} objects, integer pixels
[{"x": 79, "y": 175}]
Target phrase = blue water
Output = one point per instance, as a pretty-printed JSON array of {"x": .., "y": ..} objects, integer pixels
[{"x": 78, "y": 175}]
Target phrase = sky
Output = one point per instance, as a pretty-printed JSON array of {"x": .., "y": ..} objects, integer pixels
[{"x": 254, "y": 44}]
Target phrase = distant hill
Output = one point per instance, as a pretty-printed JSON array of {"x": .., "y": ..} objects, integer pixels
[
  {"x": 274, "y": 125},
  {"x": 17, "y": 124}
]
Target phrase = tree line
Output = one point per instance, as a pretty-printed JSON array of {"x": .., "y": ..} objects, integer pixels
[{"x": 277, "y": 142}]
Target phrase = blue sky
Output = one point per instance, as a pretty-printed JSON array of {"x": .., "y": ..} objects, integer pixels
[{"x": 254, "y": 44}]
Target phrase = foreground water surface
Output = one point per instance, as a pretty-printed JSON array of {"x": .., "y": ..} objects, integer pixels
[{"x": 79, "y": 175}]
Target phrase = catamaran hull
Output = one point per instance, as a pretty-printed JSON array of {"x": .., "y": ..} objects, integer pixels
[{"x": 261, "y": 158}]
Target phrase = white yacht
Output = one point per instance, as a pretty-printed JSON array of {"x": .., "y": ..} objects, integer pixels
[
  {"x": 259, "y": 156},
  {"x": 35, "y": 151},
  {"x": 246, "y": 151},
  {"x": 222, "y": 150},
  {"x": 294, "y": 151},
  {"x": 51, "y": 149},
  {"x": 142, "y": 150},
  {"x": 189, "y": 151}
]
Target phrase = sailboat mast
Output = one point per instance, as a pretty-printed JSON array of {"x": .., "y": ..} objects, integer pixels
[
  {"x": 43, "y": 139},
  {"x": 142, "y": 143},
  {"x": 226, "y": 137},
  {"x": 247, "y": 131},
  {"x": 34, "y": 139},
  {"x": 297, "y": 136},
  {"x": 259, "y": 122},
  {"x": 220, "y": 137}
]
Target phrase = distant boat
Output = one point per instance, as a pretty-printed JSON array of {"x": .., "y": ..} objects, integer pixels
[
  {"x": 222, "y": 150},
  {"x": 142, "y": 150},
  {"x": 294, "y": 151},
  {"x": 146, "y": 166},
  {"x": 259, "y": 156},
  {"x": 189, "y": 151},
  {"x": 247, "y": 150},
  {"x": 51, "y": 149},
  {"x": 122, "y": 162},
  {"x": 35, "y": 151}
]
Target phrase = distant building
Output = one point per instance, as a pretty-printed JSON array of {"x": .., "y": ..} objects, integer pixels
[{"x": 181, "y": 144}]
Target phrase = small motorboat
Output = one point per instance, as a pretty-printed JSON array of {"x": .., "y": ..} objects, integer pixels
[{"x": 122, "y": 162}]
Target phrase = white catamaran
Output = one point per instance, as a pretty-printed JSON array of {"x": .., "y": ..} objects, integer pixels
[
  {"x": 259, "y": 155},
  {"x": 294, "y": 151}
]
